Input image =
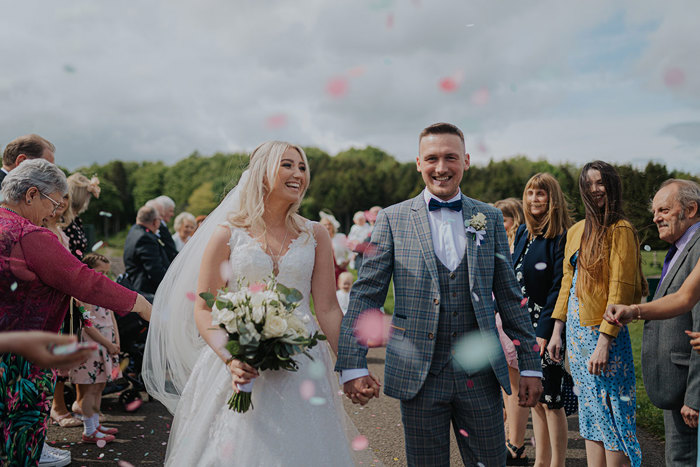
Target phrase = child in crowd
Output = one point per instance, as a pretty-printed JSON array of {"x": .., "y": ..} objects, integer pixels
[
  {"x": 103, "y": 364},
  {"x": 345, "y": 280}
]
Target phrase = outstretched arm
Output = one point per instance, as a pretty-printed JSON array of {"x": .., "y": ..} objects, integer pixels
[{"x": 35, "y": 346}]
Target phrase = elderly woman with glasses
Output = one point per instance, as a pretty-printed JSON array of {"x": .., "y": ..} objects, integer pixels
[{"x": 38, "y": 276}]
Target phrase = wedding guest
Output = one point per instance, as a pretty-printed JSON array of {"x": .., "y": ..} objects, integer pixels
[
  {"x": 513, "y": 217},
  {"x": 359, "y": 233},
  {"x": 601, "y": 266},
  {"x": 39, "y": 291},
  {"x": 345, "y": 280},
  {"x": 102, "y": 366},
  {"x": 166, "y": 208},
  {"x": 199, "y": 219},
  {"x": 24, "y": 148},
  {"x": 80, "y": 190},
  {"x": 515, "y": 416},
  {"x": 341, "y": 253},
  {"x": 185, "y": 224},
  {"x": 537, "y": 259}
]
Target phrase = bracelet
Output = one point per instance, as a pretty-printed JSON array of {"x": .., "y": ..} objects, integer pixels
[
  {"x": 639, "y": 312},
  {"x": 229, "y": 360}
]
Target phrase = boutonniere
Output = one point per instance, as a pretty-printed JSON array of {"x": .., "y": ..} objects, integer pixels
[{"x": 477, "y": 226}]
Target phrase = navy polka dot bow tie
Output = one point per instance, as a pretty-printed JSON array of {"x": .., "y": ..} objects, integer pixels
[{"x": 434, "y": 205}]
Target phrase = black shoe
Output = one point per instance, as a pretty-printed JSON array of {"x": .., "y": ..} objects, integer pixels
[{"x": 519, "y": 458}]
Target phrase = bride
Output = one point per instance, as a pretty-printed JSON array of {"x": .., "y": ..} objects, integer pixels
[{"x": 297, "y": 417}]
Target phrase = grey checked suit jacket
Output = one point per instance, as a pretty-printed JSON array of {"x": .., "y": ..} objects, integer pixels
[
  {"x": 404, "y": 250},
  {"x": 670, "y": 368}
]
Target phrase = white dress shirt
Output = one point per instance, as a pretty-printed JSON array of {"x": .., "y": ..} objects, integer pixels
[{"x": 449, "y": 242}]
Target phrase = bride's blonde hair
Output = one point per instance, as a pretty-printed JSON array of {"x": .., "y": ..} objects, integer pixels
[{"x": 262, "y": 172}]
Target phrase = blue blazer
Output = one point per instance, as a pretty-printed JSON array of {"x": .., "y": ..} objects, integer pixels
[{"x": 542, "y": 283}]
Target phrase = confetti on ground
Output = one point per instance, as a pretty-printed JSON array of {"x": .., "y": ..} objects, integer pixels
[
  {"x": 541, "y": 266},
  {"x": 481, "y": 97},
  {"x": 337, "y": 86},
  {"x": 276, "y": 121},
  {"x": 100, "y": 456},
  {"x": 97, "y": 245},
  {"x": 448, "y": 85},
  {"x": 307, "y": 389},
  {"x": 463, "y": 432},
  {"x": 190, "y": 296},
  {"x": 101, "y": 443},
  {"x": 474, "y": 350},
  {"x": 674, "y": 77},
  {"x": 360, "y": 443},
  {"x": 373, "y": 328},
  {"x": 13, "y": 286}
]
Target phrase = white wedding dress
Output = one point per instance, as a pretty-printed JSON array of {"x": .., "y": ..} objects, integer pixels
[{"x": 297, "y": 418}]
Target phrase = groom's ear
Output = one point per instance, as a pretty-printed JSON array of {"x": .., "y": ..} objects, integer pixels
[
  {"x": 467, "y": 160},
  {"x": 418, "y": 163}
]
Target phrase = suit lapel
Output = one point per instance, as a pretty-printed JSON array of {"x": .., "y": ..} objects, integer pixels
[
  {"x": 421, "y": 227},
  {"x": 468, "y": 210},
  {"x": 668, "y": 278}
]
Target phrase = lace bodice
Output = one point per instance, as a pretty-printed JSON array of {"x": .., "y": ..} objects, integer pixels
[{"x": 251, "y": 263}]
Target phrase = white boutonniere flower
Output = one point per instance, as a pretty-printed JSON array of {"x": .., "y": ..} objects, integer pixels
[{"x": 477, "y": 227}]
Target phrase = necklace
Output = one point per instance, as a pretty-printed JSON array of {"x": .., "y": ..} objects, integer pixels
[
  {"x": 279, "y": 253},
  {"x": 5, "y": 207}
]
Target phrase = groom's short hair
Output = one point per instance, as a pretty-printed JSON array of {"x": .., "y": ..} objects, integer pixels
[{"x": 441, "y": 129}]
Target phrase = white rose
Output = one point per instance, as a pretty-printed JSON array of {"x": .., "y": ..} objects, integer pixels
[
  {"x": 274, "y": 327},
  {"x": 258, "y": 313},
  {"x": 257, "y": 299},
  {"x": 297, "y": 326}
]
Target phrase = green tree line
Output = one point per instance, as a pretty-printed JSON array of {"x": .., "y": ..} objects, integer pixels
[{"x": 350, "y": 181}]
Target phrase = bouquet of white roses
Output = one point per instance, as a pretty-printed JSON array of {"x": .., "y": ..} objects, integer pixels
[{"x": 264, "y": 328}]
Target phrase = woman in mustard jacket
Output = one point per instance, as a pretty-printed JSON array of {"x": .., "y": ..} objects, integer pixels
[{"x": 601, "y": 267}]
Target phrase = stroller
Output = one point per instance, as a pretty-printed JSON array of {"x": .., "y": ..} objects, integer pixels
[{"x": 132, "y": 332}]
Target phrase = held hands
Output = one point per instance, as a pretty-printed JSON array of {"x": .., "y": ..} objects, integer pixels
[
  {"x": 529, "y": 391},
  {"x": 241, "y": 373},
  {"x": 361, "y": 390},
  {"x": 619, "y": 314},
  {"x": 694, "y": 340},
  {"x": 690, "y": 416},
  {"x": 599, "y": 360}
]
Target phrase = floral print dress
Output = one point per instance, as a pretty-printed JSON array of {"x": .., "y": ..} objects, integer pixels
[
  {"x": 607, "y": 401},
  {"x": 101, "y": 366}
]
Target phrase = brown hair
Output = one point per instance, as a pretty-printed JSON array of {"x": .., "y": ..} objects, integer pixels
[
  {"x": 557, "y": 219},
  {"x": 441, "y": 129},
  {"x": 91, "y": 259},
  {"x": 513, "y": 208},
  {"x": 32, "y": 146}
]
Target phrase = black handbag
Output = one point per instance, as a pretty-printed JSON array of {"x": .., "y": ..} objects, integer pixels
[{"x": 568, "y": 395}]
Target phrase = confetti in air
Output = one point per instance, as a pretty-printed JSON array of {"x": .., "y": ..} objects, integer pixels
[
  {"x": 481, "y": 97},
  {"x": 316, "y": 370},
  {"x": 470, "y": 383},
  {"x": 389, "y": 21},
  {"x": 276, "y": 121},
  {"x": 317, "y": 400},
  {"x": 475, "y": 297},
  {"x": 541, "y": 266},
  {"x": 357, "y": 71},
  {"x": 115, "y": 372},
  {"x": 307, "y": 389},
  {"x": 463, "y": 432},
  {"x": 226, "y": 451},
  {"x": 133, "y": 405},
  {"x": 13, "y": 286},
  {"x": 647, "y": 248},
  {"x": 190, "y": 296},
  {"x": 500, "y": 256},
  {"x": 523, "y": 302},
  {"x": 78, "y": 252},
  {"x": 360, "y": 443},
  {"x": 372, "y": 328},
  {"x": 225, "y": 271},
  {"x": 625, "y": 398},
  {"x": 674, "y": 77},
  {"x": 97, "y": 245},
  {"x": 474, "y": 350},
  {"x": 448, "y": 84},
  {"x": 516, "y": 342},
  {"x": 536, "y": 347},
  {"x": 337, "y": 86}
]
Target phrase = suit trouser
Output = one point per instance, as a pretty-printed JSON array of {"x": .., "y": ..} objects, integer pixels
[
  {"x": 681, "y": 441},
  {"x": 474, "y": 406}
]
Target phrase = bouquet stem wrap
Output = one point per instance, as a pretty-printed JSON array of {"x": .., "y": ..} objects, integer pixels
[{"x": 242, "y": 401}]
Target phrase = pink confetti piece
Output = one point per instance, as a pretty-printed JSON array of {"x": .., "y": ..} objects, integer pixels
[
  {"x": 190, "y": 296},
  {"x": 133, "y": 405},
  {"x": 78, "y": 252},
  {"x": 536, "y": 347},
  {"x": 257, "y": 287},
  {"x": 337, "y": 86},
  {"x": 448, "y": 84},
  {"x": 360, "y": 443},
  {"x": 372, "y": 328},
  {"x": 357, "y": 71},
  {"x": 523, "y": 302},
  {"x": 115, "y": 372},
  {"x": 470, "y": 383},
  {"x": 516, "y": 342},
  {"x": 307, "y": 389},
  {"x": 101, "y": 443},
  {"x": 390, "y": 21},
  {"x": 541, "y": 266},
  {"x": 674, "y": 77},
  {"x": 463, "y": 432},
  {"x": 276, "y": 121},
  {"x": 481, "y": 97}
]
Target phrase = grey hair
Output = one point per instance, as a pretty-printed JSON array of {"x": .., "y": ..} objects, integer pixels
[
  {"x": 688, "y": 192},
  {"x": 39, "y": 173},
  {"x": 182, "y": 217},
  {"x": 146, "y": 215},
  {"x": 166, "y": 201}
]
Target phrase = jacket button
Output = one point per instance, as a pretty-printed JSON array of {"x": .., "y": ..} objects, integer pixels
[
  {"x": 436, "y": 301},
  {"x": 452, "y": 275},
  {"x": 430, "y": 335}
]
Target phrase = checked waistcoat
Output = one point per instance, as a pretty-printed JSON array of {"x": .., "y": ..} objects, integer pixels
[{"x": 456, "y": 313}]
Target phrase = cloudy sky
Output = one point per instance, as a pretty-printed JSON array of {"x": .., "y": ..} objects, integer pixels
[{"x": 156, "y": 80}]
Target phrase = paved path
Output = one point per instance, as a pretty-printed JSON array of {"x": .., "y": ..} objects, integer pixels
[{"x": 144, "y": 433}]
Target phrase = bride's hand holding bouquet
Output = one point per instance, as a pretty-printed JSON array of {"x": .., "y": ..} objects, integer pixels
[{"x": 264, "y": 330}]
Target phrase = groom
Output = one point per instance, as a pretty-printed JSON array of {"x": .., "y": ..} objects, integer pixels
[{"x": 443, "y": 275}]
